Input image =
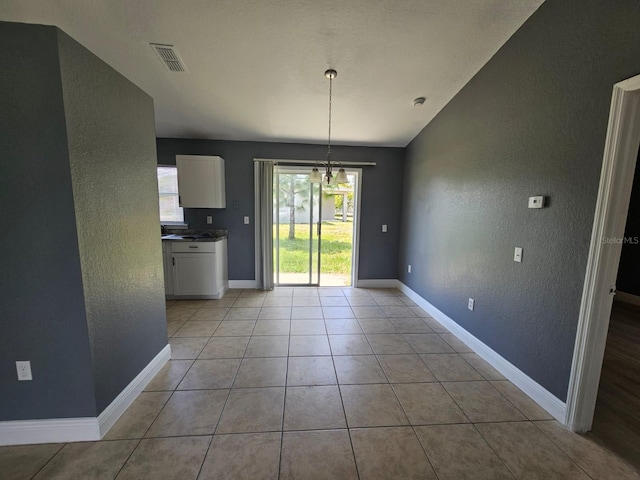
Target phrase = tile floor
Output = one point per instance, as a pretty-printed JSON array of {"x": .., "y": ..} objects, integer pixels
[{"x": 321, "y": 383}]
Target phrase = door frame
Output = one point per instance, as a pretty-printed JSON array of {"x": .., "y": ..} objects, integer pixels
[
  {"x": 355, "y": 245},
  {"x": 614, "y": 194},
  {"x": 285, "y": 170}
]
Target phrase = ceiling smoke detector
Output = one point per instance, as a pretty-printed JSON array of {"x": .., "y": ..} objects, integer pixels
[
  {"x": 170, "y": 57},
  {"x": 418, "y": 102}
]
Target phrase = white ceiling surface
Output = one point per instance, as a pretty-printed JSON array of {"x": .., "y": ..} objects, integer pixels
[{"x": 256, "y": 67}]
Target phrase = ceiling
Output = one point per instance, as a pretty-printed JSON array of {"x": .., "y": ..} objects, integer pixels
[{"x": 256, "y": 67}]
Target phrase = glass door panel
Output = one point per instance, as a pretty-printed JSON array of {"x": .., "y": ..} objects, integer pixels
[{"x": 296, "y": 232}]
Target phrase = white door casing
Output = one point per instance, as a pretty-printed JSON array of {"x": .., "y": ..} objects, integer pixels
[{"x": 616, "y": 181}]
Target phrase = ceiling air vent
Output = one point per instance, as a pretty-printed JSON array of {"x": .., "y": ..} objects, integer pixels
[{"x": 169, "y": 56}]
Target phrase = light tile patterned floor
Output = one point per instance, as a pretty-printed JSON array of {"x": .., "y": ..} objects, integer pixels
[{"x": 321, "y": 383}]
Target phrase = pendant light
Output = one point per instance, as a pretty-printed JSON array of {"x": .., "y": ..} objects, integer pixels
[{"x": 328, "y": 177}]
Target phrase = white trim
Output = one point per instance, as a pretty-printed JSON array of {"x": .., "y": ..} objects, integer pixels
[
  {"x": 49, "y": 430},
  {"x": 628, "y": 298},
  {"x": 618, "y": 166},
  {"x": 355, "y": 243},
  {"x": 117, "y": 407},
  {"x": 243, "y": 284},
  {"x": 59, "y": 430},
  {"x": 537, "y": 392},
  {"x": 378, "y": 283}
]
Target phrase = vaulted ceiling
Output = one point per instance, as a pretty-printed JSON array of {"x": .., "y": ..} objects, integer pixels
[{"x": 256, "y": 67}]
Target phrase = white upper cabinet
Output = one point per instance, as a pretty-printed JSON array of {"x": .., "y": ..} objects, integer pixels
[{"x": 201, "y": 181}]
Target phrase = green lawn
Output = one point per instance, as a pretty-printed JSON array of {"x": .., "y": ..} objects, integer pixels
[{"x": 336, "y": 248}]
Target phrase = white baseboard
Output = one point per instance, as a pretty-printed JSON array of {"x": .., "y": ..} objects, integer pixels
[
  {"x": 62, "y": 430},
  {"x": 544, "y": 398},
  {"x": 628, "y": 298},
  {"x": 49, "y": 430},
  {"x": 377, "y": 283},
  {"x": 243, "y": 284},
  {"x": 117, "y": 407}
]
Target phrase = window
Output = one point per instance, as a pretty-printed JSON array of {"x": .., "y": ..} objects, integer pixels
[{"x": 170, "y": 209}]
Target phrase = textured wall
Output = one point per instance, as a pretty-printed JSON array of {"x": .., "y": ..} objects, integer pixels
[
  {"x": 111, "y": 133},
  {"x": 532, "y": 121},
  {"x": 629, "y": 271},
  {"x": 42, "y": 315},
  {"x": 381, "y": 197}
]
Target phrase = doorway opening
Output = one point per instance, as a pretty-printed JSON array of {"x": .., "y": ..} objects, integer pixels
[
  {"x": 314, "y": 229},
  {"x": 616, "y": 420},
  {"x": 612, "y": 206}
]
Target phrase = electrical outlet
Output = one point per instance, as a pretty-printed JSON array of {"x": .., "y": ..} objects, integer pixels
[
  {"x": 408, "y": 268},
  {"x": 209, "y": 219},
  {"x": 384, "y": 228},
  {"x": 472, "y": 304},
  {"x": 24, "y": 370},
  {"x": 246, "y": 220}
]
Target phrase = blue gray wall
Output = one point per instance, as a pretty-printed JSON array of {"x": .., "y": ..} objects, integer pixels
[
  {"x": 531, "y": 122},
  {"x": 81, "y": 278},
  {"x": 381, "y": 197},
  {"x": 42, "y": 301},
  {"x": 629, "y": 270},
  {"x": 112, "y": 153}
]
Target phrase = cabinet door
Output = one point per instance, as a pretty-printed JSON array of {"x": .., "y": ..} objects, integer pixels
[
  {"x": 194, "y": 274},
  {"x": 201, "y": 181}
]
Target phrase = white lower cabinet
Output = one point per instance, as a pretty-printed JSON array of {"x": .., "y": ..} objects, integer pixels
[
  {"x": 198, "y": 269},
  {"x": 194, "y": 274}
]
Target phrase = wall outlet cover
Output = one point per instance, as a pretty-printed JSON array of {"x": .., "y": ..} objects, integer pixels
[
  {"x": 209, "y": 219},
  {"x": 246, "y": 220},
  {"x": 472, "y": 304},
  {"x": 24, "y": 370},
  {"x": 408, "y": 268}
]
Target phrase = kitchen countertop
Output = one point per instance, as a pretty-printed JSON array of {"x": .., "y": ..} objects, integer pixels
[{"x": 195, "y": 235}]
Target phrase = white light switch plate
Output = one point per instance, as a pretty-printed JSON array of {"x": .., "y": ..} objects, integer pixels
[
  {"x": 384, "y": 228},
  {"x": 536, "y": 202},
  {"x": 517, "y": 255},
  {"x": 246, "y": 220}
]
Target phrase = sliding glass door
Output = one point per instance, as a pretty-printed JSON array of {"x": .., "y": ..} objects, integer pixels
[{"x": 297, "y": 227}]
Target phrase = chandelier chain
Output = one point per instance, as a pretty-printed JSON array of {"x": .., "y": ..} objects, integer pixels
[{"x": 329, "y": 140}]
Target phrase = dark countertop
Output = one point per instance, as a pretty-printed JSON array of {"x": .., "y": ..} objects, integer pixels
[{"x": 194, "y": 235}]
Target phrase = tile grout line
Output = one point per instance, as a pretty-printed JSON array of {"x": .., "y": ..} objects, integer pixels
[
  {"x": 344, "y": 411},
  {"x": 204, "y": 458},
  {"x": 498, "y": 456},
  {"x": 49, "y": 460},
  {"x": 559, "y": 447},
  {"x": 284, "y": 406}
]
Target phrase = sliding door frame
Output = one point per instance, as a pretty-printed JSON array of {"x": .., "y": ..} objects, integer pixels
[{"x": 353, "y": 167}]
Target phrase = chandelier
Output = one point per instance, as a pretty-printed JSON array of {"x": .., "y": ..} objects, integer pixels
[{"x": 327, "y": 178}]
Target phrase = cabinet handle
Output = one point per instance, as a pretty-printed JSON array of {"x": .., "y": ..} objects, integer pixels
[
  {"x": 179, "y": 200},
  {"x": 193, "y": 246},
  {"x": 173, "y": 260}
]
